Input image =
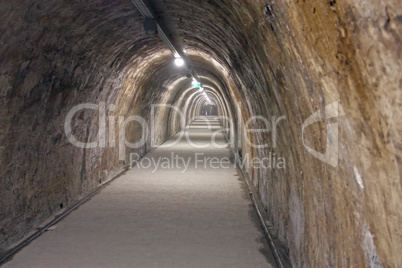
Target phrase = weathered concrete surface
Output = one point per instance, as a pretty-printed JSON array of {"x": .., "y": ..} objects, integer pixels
[
  {"x": 174, "y": 217},
  {"x": 268, "y": 58}
]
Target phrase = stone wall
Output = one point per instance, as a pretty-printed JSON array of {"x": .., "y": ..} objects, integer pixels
[{"x": 269, "y": 58}]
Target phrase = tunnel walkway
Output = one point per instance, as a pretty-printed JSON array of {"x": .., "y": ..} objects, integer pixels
[{"x": 159, "y": 216}]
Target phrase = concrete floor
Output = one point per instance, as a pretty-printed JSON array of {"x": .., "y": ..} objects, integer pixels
[{"x": 202, "y": 217}]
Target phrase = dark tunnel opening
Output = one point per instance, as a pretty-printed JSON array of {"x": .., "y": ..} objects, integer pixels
[{"x": 209, "y": 109}]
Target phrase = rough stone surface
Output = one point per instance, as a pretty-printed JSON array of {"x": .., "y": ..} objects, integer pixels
[{"x": 269, "y": 58}]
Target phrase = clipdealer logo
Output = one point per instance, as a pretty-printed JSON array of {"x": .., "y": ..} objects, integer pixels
[
  {"x": 109, "y": 136},
  {"x": 331, "y": 155}
]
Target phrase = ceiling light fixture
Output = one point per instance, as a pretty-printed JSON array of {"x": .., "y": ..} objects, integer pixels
[
  {"x": 179, "y": 62},
  {"x": 195, "y": 83}
]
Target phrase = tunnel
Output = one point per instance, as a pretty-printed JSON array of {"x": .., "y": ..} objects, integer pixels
[
  {"x": 209, "y": 109},
  {"x": 302, "y": 100}
]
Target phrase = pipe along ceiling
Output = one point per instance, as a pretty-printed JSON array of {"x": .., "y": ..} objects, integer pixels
[{"x": 281, "y": 60}]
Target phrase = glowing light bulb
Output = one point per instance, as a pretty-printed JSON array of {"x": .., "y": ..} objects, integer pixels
[{"x": 179, "y": 62}]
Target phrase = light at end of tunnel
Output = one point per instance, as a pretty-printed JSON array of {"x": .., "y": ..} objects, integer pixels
[{"x": 179, "y": 62}]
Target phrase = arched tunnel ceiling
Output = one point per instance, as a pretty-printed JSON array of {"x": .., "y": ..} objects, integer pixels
[{"x": 256, "y": 58}]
